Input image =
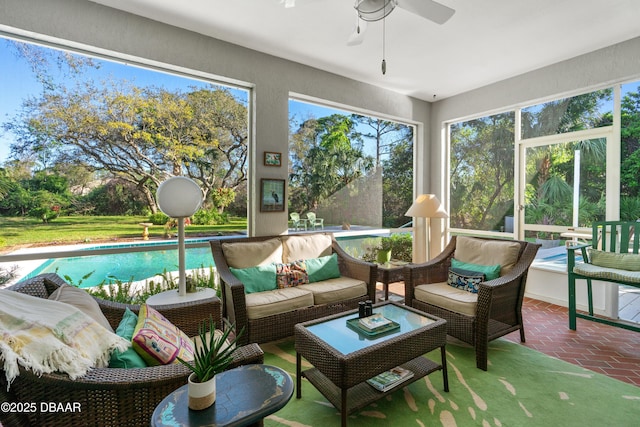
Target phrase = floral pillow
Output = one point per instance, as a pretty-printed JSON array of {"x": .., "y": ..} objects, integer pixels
[
  {"x": 291, "y": 274},
  {"x": 158, "y": 341}
]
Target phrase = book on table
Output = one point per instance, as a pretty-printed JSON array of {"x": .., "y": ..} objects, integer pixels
[
  {"x": 374, "y": 322},
  {"x": 390, "y": 379}
]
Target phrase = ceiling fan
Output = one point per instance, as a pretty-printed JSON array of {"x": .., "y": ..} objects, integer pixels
[{"x": 375, "y": 10}]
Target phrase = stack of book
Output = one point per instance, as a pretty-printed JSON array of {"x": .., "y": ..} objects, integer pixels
[
  {"x": 390, "y": 379},
  {"x": 375, "y": 323}
]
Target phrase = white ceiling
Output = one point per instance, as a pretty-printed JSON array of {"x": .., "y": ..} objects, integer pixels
[{"x": 485, "y": 41}]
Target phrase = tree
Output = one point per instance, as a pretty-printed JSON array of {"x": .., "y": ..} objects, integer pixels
[
  {"x": 482, "y": 167},
  {"x": 333, "y": 159},
  {"x": 630, "y": 150},
  {"x": 140, "y": 135},
  {"x": 397, "y": 184},
  {"x": 385, "y": 133}
]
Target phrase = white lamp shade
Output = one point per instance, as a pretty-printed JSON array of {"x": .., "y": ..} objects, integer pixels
[
  {"x": 179, "y": 197},
  {"x": 427, "y": 206}
]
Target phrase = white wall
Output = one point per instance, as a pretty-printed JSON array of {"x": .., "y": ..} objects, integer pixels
[{"x": 88, "y": 24}]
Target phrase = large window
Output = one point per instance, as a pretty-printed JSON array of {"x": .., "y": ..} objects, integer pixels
[
  {"x": 630, "y": 152},
  {"x": 565, "y": 166},
  {"x": 587, "y": 111},
  {"x": 482, "y": 173},
  {"x": 92, "y": 136},
  {"x": 349, "y": 168}
]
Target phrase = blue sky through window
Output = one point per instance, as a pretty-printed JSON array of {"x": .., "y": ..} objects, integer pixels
[{"x": 18, "y": 82}]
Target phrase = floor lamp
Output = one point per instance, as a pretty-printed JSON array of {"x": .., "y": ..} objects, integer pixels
[
  {"x": 427, "y": 206},
  {"x": 179, "y": 197}
]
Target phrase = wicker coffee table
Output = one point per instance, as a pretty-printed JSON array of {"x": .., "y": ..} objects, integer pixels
[{"x": 344, "y": 359}]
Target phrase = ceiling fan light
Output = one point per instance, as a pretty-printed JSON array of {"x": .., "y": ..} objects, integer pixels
[{"x": 374, "y": 10}]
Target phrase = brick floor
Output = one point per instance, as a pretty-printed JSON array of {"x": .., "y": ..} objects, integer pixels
[{"x": 601, "y": 348}]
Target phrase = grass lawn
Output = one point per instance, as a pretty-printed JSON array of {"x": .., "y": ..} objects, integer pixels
[{"x": 17, "y": 231}]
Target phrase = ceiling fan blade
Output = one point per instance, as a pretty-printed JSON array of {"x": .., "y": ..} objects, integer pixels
[
  {"x": 428, "y": 9},
  {"x": 357, "y": 37},
  {"x": 288, "y": 3}
]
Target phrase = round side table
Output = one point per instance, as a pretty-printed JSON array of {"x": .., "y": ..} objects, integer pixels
[{"x": 244, "y": 396}]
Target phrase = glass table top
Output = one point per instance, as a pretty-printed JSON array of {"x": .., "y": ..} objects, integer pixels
[{"x": 338, "y": 335}]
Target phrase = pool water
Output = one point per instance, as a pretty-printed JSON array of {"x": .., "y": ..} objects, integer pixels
[
  {"x": 125, "y": 267},
  {"x": 135, "y": 266}
]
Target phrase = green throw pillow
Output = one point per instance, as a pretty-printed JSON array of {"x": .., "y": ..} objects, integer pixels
[
  {"x": 629, "y": 262},
  {"x": 490, "y": 271},
  {"x": 129, "y": 358},
  {"x": 323, "y": 268},
  {"x": 256, "y": 279}
]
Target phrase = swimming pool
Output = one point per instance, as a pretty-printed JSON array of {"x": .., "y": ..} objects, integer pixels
[
  {"x": 135, "y": 266},
  {"x": 123, "y": 267}
]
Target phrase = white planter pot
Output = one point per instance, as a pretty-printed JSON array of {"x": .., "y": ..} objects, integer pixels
[{"x": 201, "y": 395}]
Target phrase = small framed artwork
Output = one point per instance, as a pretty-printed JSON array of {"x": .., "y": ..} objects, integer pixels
[
  {"x": 272, "y": 195},
  {"x": 272, "y": 159}
]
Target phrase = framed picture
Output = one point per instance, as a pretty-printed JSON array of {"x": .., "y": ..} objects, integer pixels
[
  {"x": 272, "y": 159},
  {"x": 272, "y": 195}
]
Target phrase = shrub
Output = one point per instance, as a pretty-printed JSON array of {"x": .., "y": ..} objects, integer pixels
[
  {"x": 123, "y": 293},
  {"x": 209, "y": 217},
  {"x": 158, "y": 218}
]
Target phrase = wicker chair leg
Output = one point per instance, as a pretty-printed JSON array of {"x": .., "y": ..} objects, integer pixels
[{"x": 481, "y": 355}]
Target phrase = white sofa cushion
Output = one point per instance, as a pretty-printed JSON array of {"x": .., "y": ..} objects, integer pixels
[
  {"x": 486, "y": 252},
  {"x": 305, "y": 247},
  {"x": 447, "y": 297},
  {"x": 268, "y": 303},
  {"x": 334, "y": 290},
  {"x": 251, "y": 254}
]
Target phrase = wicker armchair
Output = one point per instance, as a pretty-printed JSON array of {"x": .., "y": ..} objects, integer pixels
[
  {"x": 499, "y": 302},
  {"x": 108, "y": 396}
]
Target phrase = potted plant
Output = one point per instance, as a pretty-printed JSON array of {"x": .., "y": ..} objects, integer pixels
[
  {"x": 212, "y": 355},
  {"x": 384, "y": 251},
  {"x": 398, "y": 245}
]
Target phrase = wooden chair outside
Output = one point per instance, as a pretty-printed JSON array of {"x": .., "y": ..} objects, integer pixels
[
  {"x": 297, "y": 222},
  {"x": 613, "y": 257},
  {"x": 315, "y": 221}
]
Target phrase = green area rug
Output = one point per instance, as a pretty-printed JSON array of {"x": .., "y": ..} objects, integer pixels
[{"x": 522, "y": 387}]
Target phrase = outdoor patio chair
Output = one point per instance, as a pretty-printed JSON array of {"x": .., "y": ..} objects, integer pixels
[
  {"x": 109, "y": 396},
  {"x": 475, "y": 318},
  {"x": 314, "y": 221},
  {"x": 297, "y": 222},
  {"x": 611, "y": 257}
]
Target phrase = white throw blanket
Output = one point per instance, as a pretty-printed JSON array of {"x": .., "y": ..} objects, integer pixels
[{"x": 47, "y": 336}]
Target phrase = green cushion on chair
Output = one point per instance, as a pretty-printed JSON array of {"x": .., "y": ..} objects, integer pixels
[
  {"x": 490, "y": 271},
  {"x": 630, "y": 262}
]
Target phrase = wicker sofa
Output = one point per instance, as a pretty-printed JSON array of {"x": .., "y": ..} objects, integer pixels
[
  {"x": 108, "y": 396},
  {"x": 272, "y": 314},
  {"x": 475, "y": 318}
]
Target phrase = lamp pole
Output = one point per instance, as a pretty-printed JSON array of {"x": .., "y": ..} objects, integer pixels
[
  {"x": 427, "y": 206},
  {"x": 179, "y": 197},
  {"x": 182, "y": 279}
]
